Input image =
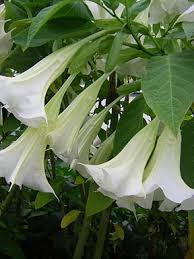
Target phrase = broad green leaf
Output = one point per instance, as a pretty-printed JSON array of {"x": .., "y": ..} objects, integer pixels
[
  {"x": 64, "y": 28},
  {"x": 13, "y": 12},
  {"x": 168, "y": 87},
  {"x": 114, "y": 53},
  {"x": 75, "y": 9},
  {"x": 130, "y": 123},
  {"x": 96, "y": 202},
  {"x": 69, "y": 218},
  {"x": 187, "y": 151},
  {"x": 42, "y": 18}
]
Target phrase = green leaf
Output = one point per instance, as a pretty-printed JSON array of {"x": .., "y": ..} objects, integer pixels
[
  {"x": 64, "y": 28},
  {"x": 108, "y": 24},
  {"x": 112, "y": 4},
  {"x": 76, "y": 9},
  {"x": 10, "y": 124},
  {"x": 85, "y": 54},
  {"x": 119, "y": 232},
  {"x": 21, "y": 61},
  {"x": 129, "y": 88},
  {"x": 168, "y": 87},
  {"x": 42, "y": 18},
  {"x": 43, "y": 198},
  {"x": 114, "y": 53},
  {"x": 129, "y": 124},
  {"x": 129, "y": 53},
  {"x": 96, "y": 202},
  {"x": 187, "y": 151},
  {"x": 13, "y": 12},
  {"x": 136, "y": 8},
  {"x": 69, "y": 218}
]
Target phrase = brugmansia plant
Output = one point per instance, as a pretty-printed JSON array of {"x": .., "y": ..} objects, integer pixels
[{"x": 97, "y": 114}]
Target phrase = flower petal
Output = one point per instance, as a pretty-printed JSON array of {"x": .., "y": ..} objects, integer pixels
[
  {"x": 22, "y": 163},
  {"x": 69, "y": 122},
  {"x": 122, "y": 175},
  {"x": 24, "y": 94},
  {"x": 163, "y": 170}
]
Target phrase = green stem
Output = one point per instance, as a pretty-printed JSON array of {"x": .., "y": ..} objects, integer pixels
[
  {"x": 82, "y": 239},
  {"x": 139, "y": 41},
  {"x": 7, "y": 202},
  {"x": 156, "y": 43},
  {"x": 112, "y": 95},
  {"x": 102, "y": 234},
  {"x": 52, "y": 160}
]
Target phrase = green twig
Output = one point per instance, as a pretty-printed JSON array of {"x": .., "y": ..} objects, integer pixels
[
  {"x": 104, "y": 221},
  {"x": 138, "y": 41},
  {"x": 52, "y": 160},
  {"x": 82, "y": 239}
]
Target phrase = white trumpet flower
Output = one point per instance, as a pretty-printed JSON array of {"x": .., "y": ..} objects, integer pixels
[
  {"x": 22, "y": 163},
  {"x": 24, "y": 94},
  {"x": 161, "y": 11},
  {"x": 163, "y": 170},
  {"x": 187, "y": 16},
  {"x": 69, "y": 122},
  {"x": 87, "y": 135},
  {"x": 122, "y": 176}
]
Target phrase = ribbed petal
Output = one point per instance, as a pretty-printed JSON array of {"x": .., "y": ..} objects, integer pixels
[
  {"x": 69, "y": 122},
  {"x": 22, "y": 163},
  {"x": 163, "y": 170},
  {"x": 24, "y": 94},
  {"x": 122, "y": 175}
]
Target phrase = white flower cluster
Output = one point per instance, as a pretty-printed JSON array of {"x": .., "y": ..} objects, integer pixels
[{"x": 146, "y": 170}]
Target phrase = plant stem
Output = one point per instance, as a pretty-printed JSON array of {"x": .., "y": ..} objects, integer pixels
[
  {"x": 82, "y": 239},
  {"x": 52, "y": 160},
  {"x": 102, "y": 234},
  {"x": 7, "y": 202},
  {"x": 139, "y": 41},
  {"x": 112, "y": 95}
]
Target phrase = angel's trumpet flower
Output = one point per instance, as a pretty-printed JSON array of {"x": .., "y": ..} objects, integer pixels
[
  {"x": 163, "y": 170},
  {"x": 122, "y": 176},
  {"x": 69, "y": 122},
  {"x": 87, "y": 135},
  {"x": 24, "y": 94},
  {"x": 22, "y": 163}
]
